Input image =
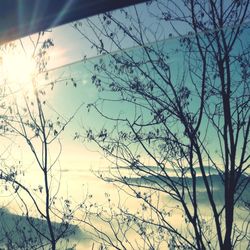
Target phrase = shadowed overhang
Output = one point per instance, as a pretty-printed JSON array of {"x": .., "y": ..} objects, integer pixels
[{"x": 19, "y": 18}]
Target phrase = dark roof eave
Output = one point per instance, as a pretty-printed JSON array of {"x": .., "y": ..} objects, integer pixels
[{"x": 19, "y": 18}]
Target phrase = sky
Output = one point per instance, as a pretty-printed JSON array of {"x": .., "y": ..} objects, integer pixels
[
  {"x": 64, "y": 63},
  {"x": 63, "y": 99}
]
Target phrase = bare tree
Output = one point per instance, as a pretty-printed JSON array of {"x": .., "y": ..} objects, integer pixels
[
  {"x": 182, "y": 123},
  {"x": 38, "y": 128}
]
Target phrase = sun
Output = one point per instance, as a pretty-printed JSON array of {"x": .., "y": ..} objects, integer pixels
[{"x": 17, "y": 68}]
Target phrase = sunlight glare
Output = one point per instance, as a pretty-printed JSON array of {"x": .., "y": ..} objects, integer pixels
[{"x": 17, "y": 68}]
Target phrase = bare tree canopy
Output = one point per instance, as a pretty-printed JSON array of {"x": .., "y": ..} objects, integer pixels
[
  {"x": 164, "y": 99},
  {"x": 178, "y": 112}
]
